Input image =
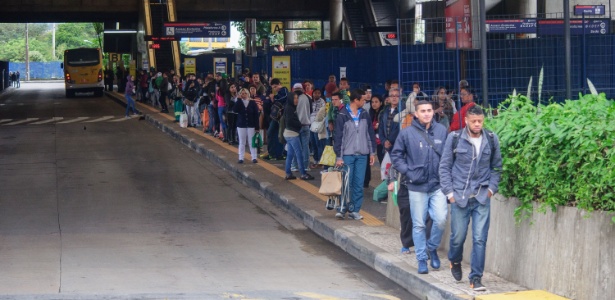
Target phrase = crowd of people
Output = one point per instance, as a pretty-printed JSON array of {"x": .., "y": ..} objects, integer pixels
[
  {"x": 441, "y": 152},
  {"x": 14, "y": 79}
]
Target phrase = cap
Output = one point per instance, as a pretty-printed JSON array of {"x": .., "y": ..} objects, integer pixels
[{"x": 297, "y": 86}]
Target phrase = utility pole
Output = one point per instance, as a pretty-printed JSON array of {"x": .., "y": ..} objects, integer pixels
[
  {"x": 53, "y": 40},
  {"x": 27, "y": 55}
]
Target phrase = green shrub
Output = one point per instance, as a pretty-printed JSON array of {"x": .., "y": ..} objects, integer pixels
[{"x": 558, "y": 154}]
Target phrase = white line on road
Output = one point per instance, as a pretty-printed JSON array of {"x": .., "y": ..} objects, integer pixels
[
  {"x": 74, "y": 120},
  {"x": 122, "y": 119},
  {"x": 5, "y": 120},
  {"x": 54, "y": 119},
  {"x": 100, "y": 119},
  {"x": 21, "y": 121}
]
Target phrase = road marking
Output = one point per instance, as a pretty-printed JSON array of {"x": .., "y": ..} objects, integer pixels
[
  {"x": 317, "y": 296},
  {"x": 5, "y": 120},
  {"x": 74, "y": 120},
  {"x": 54, "y": 119},
  {"x": 21, "y": 121},
  {"x": 100, "y": 119},
  {"x": 122, "y": 119}
]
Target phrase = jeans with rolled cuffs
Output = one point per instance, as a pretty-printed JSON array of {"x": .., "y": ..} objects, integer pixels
[
  {"x": 460, "y": 219},
  {"x": 421, "y": 205}
]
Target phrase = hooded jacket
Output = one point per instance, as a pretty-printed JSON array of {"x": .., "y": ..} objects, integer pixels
[
  {"x": 351, "y": 139},
  {"x": 415, "y": 159},
  {"x": 465, "y": 173}
]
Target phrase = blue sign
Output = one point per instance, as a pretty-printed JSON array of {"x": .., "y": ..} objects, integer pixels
[
  {"x": 556, "y": 26},
  {"x": 204, "y": 30},
  {"x": 589, "y": 10},
  {"x": 511, "y": 26}
]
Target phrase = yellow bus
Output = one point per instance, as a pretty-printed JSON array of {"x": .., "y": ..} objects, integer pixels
[{"x": 83, "y": 71}]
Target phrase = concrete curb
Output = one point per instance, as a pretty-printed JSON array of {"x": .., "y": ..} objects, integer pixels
[{"x": 373, "y": 256}]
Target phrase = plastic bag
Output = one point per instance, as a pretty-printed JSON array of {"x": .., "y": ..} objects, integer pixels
[
  {"x": 328, "y": 157},
  {"x": 385, "y": 167},
  {"x": 183, "y": 120}
]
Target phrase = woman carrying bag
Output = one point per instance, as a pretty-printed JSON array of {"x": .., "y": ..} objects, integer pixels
[{"x": 247, "y": 123}]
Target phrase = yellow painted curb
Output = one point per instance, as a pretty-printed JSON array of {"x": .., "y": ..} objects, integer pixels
[{"x": 524, "y": 295}]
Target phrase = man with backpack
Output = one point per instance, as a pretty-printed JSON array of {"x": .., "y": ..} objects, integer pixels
[
  {"x": 469, "y": 174},
  {"x": 279, "y": 96}
]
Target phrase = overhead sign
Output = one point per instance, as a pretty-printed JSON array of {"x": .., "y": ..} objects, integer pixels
[
  {"x": 458, "y": 15},
  {"x": 556, "y": 26},
  {"x": 277, "y": 27},
  {"x": 597, "y": 10},
  {"x": 204, "y": 30},
  {"x": 512, "y": 26}
]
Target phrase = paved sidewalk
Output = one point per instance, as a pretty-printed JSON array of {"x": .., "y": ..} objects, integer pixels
[{"x": 369, "y": 240}]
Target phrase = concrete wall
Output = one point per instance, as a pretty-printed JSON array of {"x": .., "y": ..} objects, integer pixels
[{"x": 562, "y": 252}]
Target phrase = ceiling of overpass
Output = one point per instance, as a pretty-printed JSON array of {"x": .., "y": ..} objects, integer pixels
[{"x": 47, "y": 11}]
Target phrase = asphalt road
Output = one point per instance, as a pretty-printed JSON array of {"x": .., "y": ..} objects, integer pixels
[{"x": 97, "y": 206}]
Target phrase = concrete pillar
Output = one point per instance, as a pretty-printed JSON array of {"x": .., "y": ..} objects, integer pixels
[
  {"x": 336, "y": 12},
  {"x": 289, "y": 35},
  {"x": 529, "y": 8}
]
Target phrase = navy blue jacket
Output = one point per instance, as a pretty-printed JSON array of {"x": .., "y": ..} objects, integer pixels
[
  {"x": 247, "y": 117},
  {"x": 415, "y": 159},
  {"x": 388, "y": 131}
]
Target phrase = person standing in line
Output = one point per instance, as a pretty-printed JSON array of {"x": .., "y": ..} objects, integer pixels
[
  {"x": 416, "y": 155},
  {"x": 18, "y": 82},
  {"x": 231, "y": 99},
  {"x": 247, "y": 112},
  {"x": 293, "y": 141},
  {"x": 109, "y": 79},
  {"x": 467, "y": 100},
  {"x": 354, "y": 140},
  {"x": 278, "y": 96},
  {"x": 177, "y": 96},
  {"x": 331, "y": 86},
  {"x": 470, "y": 173},
  {"x": 164, "y": 91},
  {"x": 318, "y": 144},
  {"x": 128, "y": 92},
  {"x": 303, "y": 112}
]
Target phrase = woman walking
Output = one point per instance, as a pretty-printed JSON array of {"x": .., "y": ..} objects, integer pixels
[
  {"x": 247, "y": 112},
  {"x": 128, "y": 92}
]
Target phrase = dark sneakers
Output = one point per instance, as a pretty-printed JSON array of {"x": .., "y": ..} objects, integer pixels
[
  {"x": 423, "y": 267},
  {"x": 456, "y": 270},
  {"x": 476, "y": 285},
  {"x": 435, "y": 260}
]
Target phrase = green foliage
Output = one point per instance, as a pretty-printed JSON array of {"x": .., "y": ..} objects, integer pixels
[
  {"x": 558, "y": 154},
  {"x": 263, "y": 31}
]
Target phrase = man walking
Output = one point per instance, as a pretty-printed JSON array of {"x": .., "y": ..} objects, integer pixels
[
  {"x": 470, "y": 174},
  {"x": 416, "y": 155}
]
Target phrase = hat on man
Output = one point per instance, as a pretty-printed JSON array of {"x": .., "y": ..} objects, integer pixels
[{"x": 297, "y": 86}]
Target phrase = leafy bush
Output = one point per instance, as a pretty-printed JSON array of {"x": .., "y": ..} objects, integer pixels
[{"x": 558, "y": 154}]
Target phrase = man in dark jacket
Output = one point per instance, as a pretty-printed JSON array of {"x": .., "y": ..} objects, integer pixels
[
  {"x": 470, "y": 173},
  {"x": 416, "y": 155}
]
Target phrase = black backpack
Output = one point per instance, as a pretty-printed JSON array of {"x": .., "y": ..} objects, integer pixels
[
  {"x": 277, "y": 111},
  {"x": 457, "y": 134}
]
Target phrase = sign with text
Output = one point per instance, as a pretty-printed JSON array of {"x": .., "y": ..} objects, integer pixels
[
  {"x": 220, "y": 65},
  {"x": 280, "y": 66},
  {"x": 277, "y": 27},
  {"x": 160, "y": 38},
  {"x": 556, "y": 26},
  {"x": 512, "y": 26},
  {"x": 204, "y": 30},
  {"x": 594, "y": 10},
  {"x": 458, "y": 15},
  {"x": 189, "y": 66}
]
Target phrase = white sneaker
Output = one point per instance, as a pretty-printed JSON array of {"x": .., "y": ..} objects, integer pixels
[
  {"x": 355, "y": 216},
  {"x": 340, "y": 216}
]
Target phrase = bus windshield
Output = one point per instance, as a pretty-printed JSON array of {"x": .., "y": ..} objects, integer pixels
[{"x": 82, "y": 57}]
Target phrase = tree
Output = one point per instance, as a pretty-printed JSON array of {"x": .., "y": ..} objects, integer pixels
[
  {"x": 99, "y": 28},
  {"x": 263, "y": 31}
]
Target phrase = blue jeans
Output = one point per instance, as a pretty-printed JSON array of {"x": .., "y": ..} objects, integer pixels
[
  {"x": 357, "y": 164},
  {"x": 274, "y": 147},
  {"x": 130, "y": 104},
  {"x": 294, "y": 150},
  {"x": 460, "y": 218},
  {"x": 304, "y": 136},
  {"x": 221, "y": 113},
  {"x": 318, "y": 146},
  {"x": 421, "y": 204}
]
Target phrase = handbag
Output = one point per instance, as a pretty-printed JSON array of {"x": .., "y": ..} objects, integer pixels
[
  {"x": 331, "y": 183},
  {"x": 316, "y": 126},
  {"x": 257, "y": 141},
  {"x": 328, "y": 157}
]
